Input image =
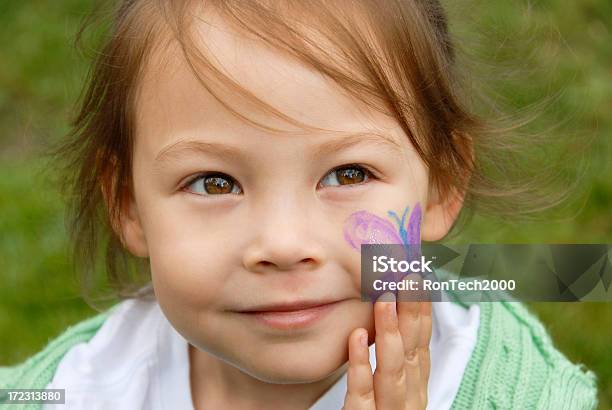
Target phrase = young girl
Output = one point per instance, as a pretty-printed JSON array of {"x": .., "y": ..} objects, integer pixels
[{"x": 229, "y": 152}]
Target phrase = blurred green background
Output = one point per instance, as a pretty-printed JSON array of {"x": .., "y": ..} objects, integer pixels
[{"x": 561, "y": 45}]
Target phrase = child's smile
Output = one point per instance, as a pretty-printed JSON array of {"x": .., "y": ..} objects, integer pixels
[{"x": 292, "y": 315}]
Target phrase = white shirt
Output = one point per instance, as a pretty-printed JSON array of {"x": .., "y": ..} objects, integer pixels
[{"x": 137, "y": 360}]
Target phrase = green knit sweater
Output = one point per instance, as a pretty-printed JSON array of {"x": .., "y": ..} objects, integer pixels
[{"x": 514, "y": 365}]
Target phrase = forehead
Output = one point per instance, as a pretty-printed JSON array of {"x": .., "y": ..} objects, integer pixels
[{"x": 173, "y": 101}]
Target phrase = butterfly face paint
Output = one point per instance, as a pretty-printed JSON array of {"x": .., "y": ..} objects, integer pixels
[{"x": 363, "y": 227}]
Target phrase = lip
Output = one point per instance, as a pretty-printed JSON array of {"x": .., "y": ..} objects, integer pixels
[
  {"x": 289, "y": 306},
  {"x": 293, "y": 315}
]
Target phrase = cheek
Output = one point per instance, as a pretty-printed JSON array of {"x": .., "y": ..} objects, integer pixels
[
  {"x": 189, "y": 277},
  {"x": 188, "y": 265}
]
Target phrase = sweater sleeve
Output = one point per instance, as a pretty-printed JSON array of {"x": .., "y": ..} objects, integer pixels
[
  {"x": 515, "y": 365},
  {"x": 570, "y": 387},
  {"x": 567, "y": 385},
  {"x": 38, "y": 370}
]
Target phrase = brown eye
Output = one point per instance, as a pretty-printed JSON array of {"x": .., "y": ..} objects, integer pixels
[
  {"x": 217, "y": 185},
  {"x": 214, "y": 184},
  {"x": 348, "y": 175}
]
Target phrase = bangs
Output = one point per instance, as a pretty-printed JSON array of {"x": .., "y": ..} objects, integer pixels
[{"x": 382, "y": 54}]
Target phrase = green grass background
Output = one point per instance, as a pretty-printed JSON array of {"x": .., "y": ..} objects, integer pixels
[{"x": 563, "y": 48}]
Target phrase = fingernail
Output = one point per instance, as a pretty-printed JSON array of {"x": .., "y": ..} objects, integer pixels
[
  {"x": 393, "y": 305},
  {"x": 363, "y": 339},
  {"x": 387, "y": 297}
]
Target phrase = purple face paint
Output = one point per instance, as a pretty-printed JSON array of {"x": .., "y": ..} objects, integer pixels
[
  {"x": 413, "y": 236},
  {"x": 363, "y": 227}
]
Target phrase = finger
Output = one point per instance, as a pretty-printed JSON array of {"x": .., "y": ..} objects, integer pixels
[
  {"x": 425, "y": 323},
  {"x": 409, "y": 317},
  {"x": 425, "y": 329},
  {"x": 360, "y": 382},
  {"x": 389, "y": 377}
]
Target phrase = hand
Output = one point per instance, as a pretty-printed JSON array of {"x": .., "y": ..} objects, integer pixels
[{"x": 403, "y": 331}]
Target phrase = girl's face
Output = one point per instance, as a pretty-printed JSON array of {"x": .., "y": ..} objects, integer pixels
[{"x": 267, "y": 226}]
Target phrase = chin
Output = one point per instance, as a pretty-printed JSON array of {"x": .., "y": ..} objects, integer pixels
[
  {"x": 297, "y": 366},
  {"x": 293, "y": 375}
]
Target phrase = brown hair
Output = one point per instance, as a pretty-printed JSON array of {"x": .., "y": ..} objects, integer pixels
[{"x": 395, "y": 55}]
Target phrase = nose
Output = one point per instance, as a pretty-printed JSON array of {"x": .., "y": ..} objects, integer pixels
[{"x": 285, "y": 239}]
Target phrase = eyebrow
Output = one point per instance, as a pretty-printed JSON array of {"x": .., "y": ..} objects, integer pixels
[
  {"x": 366, "y": 137},
  {"x": 175, "y": 150}
]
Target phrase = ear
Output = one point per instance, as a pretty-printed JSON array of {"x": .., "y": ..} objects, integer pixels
[
  {"x": 440, "y": 214},
  {"x": 127, "y": 225}
]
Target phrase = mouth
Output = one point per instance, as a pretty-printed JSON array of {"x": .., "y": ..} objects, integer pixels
[{"x": 292, "y": 315}]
